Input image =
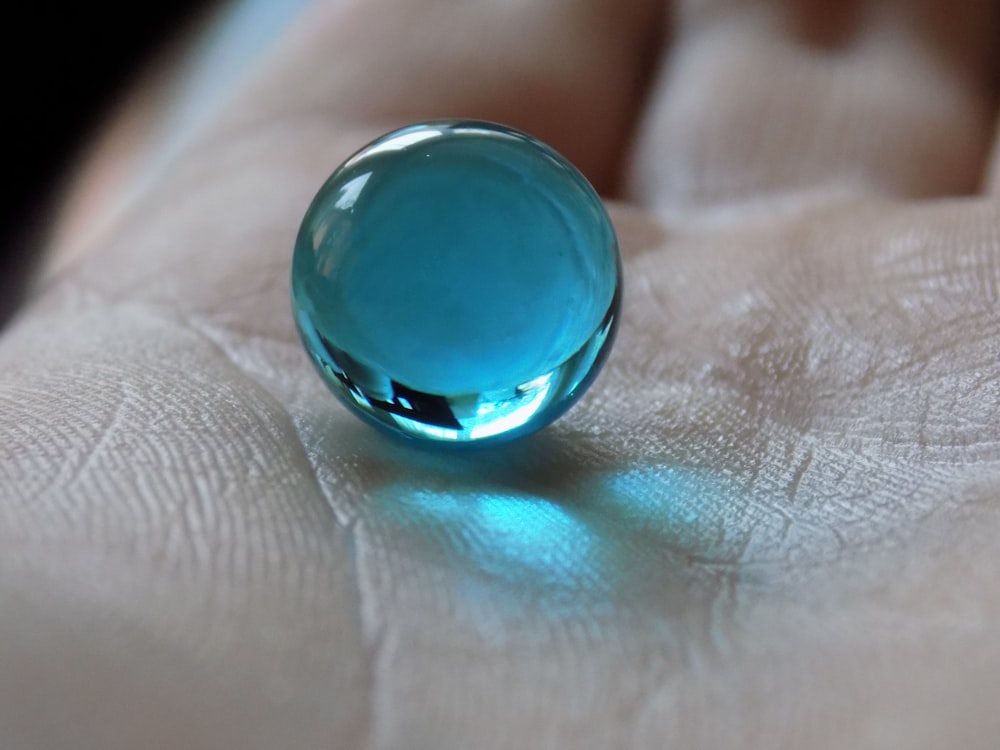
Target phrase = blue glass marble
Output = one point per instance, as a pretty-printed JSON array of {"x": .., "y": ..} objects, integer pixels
[{"x": 457, "y": 282}]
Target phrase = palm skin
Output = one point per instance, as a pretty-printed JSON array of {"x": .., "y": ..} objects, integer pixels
[{"x": 772, "y": 523}]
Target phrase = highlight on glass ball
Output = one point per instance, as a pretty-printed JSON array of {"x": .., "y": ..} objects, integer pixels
[{"x": 457, "y": 282}]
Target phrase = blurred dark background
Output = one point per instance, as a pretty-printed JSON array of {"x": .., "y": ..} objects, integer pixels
[{"x": 63, "y": 66}]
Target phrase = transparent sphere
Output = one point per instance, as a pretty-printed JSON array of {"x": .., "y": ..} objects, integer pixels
[{"x": 457, "y": 282}]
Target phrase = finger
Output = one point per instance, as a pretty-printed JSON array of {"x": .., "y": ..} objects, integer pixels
[
  {"x": 570, "y": 72},
  {"x": 179, "y": 94},
  {"x": 777, "y": 98}
]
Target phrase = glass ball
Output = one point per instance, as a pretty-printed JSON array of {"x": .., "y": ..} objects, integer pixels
[{"x": 457, "y": 282}]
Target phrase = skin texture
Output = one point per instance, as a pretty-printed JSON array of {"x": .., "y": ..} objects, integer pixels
[{"x": 772, "y": 523}]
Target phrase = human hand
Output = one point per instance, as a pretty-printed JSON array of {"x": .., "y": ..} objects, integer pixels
[{"x": 773, "y": 521}]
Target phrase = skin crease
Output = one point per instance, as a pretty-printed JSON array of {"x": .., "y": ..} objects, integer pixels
[{"x": 772, "y": 523}]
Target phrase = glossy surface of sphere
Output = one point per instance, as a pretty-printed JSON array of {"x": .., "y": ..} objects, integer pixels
[{"x": 457, "y": 282}]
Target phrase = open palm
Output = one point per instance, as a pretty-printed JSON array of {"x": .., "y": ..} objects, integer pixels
[{"x": 772, "y": 523}]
